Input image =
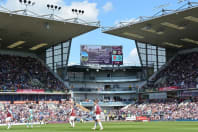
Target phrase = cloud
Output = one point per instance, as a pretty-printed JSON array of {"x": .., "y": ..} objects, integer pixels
[
  {"x": 108, "y": 7},
  {"x": 133, "y": 58},
  {"x": 90, "y": 15}
]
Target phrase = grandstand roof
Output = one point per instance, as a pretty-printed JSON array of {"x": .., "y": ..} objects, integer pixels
[
  {"x": 177, "y": 29},
  {"x": 22, "y": 32}
]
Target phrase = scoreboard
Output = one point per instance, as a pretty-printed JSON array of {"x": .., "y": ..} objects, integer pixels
[
  {"x": 117, "y": 55},
  {"x": 101, "y": 54}
]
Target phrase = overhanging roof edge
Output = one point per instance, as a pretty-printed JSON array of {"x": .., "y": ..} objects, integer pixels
[
  {"x": 47, "y": 17},
  {"x": 107, "y": 29}
]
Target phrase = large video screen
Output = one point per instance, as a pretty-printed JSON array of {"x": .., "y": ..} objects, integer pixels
[{"x": 102, "y": 55}]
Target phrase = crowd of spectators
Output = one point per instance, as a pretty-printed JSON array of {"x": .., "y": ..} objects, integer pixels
[
  {"x": 49, "y": 112},
  {"x": 185, "y": 110},
  {"x": 181, "y": 72},
  {"x": 54, "y": 113},
  {"x": 18, "y": 72}
]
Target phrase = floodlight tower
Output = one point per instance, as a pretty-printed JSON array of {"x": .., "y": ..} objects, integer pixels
[
  {"x": 53, "y": 8},
  {"x": 77, "y": 12},
  {"x": 26, "y": 3}
]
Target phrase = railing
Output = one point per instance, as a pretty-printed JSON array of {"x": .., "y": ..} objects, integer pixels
[
  {"x": 102, "y": 89},
  {"x": 116, "y": 78},
  {"x": 106, "y": 92},
  {"x": 90, "y": 104},
  {"x": 105, "y": 79},
  {"x": 30, "y": 91},
  {"x": 25, "y": 12},
  {"x": 164, "y": 12},
  {"x": 121, "y": 90}
]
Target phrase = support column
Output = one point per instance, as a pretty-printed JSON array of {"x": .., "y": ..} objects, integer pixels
[
  {"x": 65, "y": 67},
  {"x": 157, "y": 58}
]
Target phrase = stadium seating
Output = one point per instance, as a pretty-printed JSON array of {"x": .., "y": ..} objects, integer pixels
[
  {"x": 51, "y": 112},
  {"x": 54, "y": 112},
  {"x": 18, "y": 72},
  {"x": 186, "y": 110},
  {"x": 181, "y": 72}
]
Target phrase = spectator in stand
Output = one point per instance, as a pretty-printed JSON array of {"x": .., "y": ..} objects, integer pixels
[
  {"x": 173, "y": 110},
  {"x": 51, "y": 112},
  {"x": 181, "y": 72},
  {"x": 26, "y": 73}
]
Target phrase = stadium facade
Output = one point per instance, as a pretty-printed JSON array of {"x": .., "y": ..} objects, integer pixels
[{"x": 114, "y": 87}]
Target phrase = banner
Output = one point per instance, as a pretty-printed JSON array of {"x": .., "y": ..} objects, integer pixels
[
  {"x": 102, "y": 55},
  {"x": 30, "y": 91},
  {"x": 142, "y": 118},
  {"x": 49, "y": 102},
  {"x": 157, "y": 95},
  {"x": 192, "y": 93},
  {"x": 24, "y": 102},
  {"x": 5, "y": 102},
  {"x": 2, "y": 90},
  {"x": 172, "y": 88}
]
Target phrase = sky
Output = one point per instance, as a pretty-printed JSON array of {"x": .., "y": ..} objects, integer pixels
[{"x": 109, "y": 13}]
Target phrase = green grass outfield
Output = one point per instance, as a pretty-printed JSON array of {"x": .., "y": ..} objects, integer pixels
[{"x": 111, "y": 127}]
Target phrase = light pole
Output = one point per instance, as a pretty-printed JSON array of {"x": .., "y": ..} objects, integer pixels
[
  {"x": 53, "y": 8},
  {"x": 77, "y": 12},
  {"x": 26, "y": 3}
]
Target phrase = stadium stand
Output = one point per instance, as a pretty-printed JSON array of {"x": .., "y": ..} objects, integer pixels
[
  {"x": 57, "y": 112},
  {"x": 17, "y": 72},
  {"x": 165, "y": 110},
  {"x": 31, "y": 53},
  {"x": 180, "y": 72},
  {"x": 51, "y": 112}
]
